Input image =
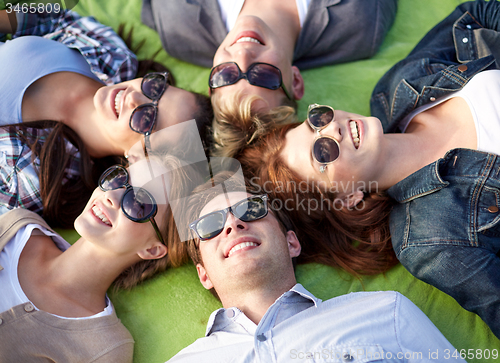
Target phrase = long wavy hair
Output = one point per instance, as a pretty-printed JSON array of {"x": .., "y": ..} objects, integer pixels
[{"x": 356, "y": 240}]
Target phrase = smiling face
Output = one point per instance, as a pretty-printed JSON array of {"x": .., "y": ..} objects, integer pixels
[
  {"x": 245, "y": 254},
  {"x": 114, "y": 105},
  {"x": 251, "y": 40},
  {"x": 358, "y": 164},
  {"x": 103, "y": 223}
]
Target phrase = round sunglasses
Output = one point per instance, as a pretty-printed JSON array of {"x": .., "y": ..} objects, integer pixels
[
  {"x": 263, "y": 75},
  {"x": 247, "y": 210},
  {"x": 143, "y": 117},
  {"x": 325, "y": 149},
  {"x": 137, "y": 204}
]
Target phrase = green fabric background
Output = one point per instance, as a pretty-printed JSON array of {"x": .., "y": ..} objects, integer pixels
[{"x": 171, "y": 311}]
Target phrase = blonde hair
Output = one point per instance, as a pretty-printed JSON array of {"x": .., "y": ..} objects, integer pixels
[{"x": 238, "y": 122}]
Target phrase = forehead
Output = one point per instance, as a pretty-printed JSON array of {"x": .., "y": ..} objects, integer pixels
[{"x": 223, "y": 201}]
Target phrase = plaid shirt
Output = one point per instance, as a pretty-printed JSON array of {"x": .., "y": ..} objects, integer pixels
[
  {"x": 19, "y": 184},
  {"x": 106, "y": 53}
]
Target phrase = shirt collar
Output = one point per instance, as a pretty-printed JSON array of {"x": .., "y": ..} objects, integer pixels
[{"x": 233, "y": 319}]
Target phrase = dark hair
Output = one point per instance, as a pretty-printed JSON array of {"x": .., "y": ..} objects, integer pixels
[
  {"x": 356, "y": 240},
  {"x": 63, "y": 198}
]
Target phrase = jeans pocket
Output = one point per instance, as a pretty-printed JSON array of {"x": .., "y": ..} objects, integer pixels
[{"x": 488, "y": 211}]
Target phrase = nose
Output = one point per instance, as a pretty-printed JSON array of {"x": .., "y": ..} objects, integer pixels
[
  {"x": 334, "y": 129},
  {"x": 243, "y": 56},
  {"x": 135, "y": 98},
  {"x": 112, "y": 197},
  {"x": 233, "y": 225}
]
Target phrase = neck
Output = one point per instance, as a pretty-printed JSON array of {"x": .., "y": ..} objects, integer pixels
[
  {"x": 254, "y": 302},
  {"x": 281, "y": 16}
]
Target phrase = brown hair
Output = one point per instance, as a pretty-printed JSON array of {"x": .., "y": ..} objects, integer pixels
[
  {"x": 62, "y": 199},
  {"x": 177, "y": 253},
  {"x": 356, "y": 240},
  {"x": 237, "y": 124}
]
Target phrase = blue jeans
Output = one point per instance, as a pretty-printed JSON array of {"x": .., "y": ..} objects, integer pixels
[{"x": 446, "y": 229}]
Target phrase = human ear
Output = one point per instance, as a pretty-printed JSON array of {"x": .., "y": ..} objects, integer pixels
[
  {"x": 352, "y": 199},
  {"x": 293, "y": 244},
  {"x": 297, "y": 83},
  {"x": 203, "y": 276},
  {"x": 154, "y": 252}
]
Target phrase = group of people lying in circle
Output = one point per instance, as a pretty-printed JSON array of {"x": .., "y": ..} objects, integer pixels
[{"x": 123, "y": 160}]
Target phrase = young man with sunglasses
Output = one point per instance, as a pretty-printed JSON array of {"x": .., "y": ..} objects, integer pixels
[
  {"x": 243, "y": 249},
  {"x": 261, "y": 40}
]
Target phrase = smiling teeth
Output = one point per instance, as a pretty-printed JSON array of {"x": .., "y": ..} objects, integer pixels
[
  {"x": 248, "y": 39},
  {"x": 118, "y": 98},
  {"x": 354, "y": 132},
  {"x": 240, "y": 246},
  {"x": 100, "y": 215}
]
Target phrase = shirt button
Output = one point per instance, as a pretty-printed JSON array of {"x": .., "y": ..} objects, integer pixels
[
  {"x": 1, "y": 321},
  {"x": 493, "y": 209},
  {"x": 462, "y": 68},
  {"x": 229, "y": 313},
  {"x": 348, "y": 358},
  {"x": 29, "y": 308},
  {"x": 468, "y": 26},
  {"x": 465, "y": 40},
  {"x": 432, "y": 99},
  {"x": 261, "y": 338}
]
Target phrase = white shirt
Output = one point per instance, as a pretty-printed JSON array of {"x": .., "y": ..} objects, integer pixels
[
  {"x": 230, "y": 9},
  {"x": 298, "y": 327}
]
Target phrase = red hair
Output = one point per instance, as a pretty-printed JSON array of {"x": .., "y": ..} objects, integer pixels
[{"x": 356, "y": 240}]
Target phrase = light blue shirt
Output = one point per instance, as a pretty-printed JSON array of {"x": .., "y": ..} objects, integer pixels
[{"x": 298, "y": 327}]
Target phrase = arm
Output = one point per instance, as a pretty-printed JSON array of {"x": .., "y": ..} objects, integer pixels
[{"x": 108, "y": 56}]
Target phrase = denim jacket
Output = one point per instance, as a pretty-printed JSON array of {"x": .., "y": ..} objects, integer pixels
[
  {"x": 463, "y": 44},
  {"x": 445, "y": 225}
]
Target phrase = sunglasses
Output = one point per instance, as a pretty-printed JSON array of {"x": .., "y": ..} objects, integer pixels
[
  {"x": 325, "y": 149},
  {"x": 137, "y": 204},
  {"x": 143, "y": 118},
  {"x": 247, "y": 210},
  {"x": 258, "y": 74}
]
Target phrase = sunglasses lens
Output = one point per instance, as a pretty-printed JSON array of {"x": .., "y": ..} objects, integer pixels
[
  {"x": 325, "y": 150},
  {"x": 143, "y": 119},
  {"x": 113, "y": 178},
  {"x": 250, "y": 210},
  {"x": 153, "y": 85},
  {"x": 210, "y": 225},
  {"x": 138, "y": 204},
  {"x": 264, "y": 75},
  {"x": 320, "y": 116},
  {"x": 224, "y": 75}
]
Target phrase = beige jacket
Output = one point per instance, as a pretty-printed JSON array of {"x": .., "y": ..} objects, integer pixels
[{"x": 29, "y": 335}]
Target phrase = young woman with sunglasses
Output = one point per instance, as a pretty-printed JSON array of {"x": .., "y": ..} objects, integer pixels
[
  {"x": 437, "y": 178},
  {"x": 95, "y": 110},
  {"x": 54, "y": 295}
]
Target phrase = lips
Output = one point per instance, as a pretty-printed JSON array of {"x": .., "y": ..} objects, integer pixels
[
  {"x": 99, "y": 214},
  {"x": 239, "y": 244},
  {"x": 249, "y": 36}
]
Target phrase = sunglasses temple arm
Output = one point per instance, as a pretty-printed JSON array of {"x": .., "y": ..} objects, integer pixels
[{"x": 157, "y": 230}]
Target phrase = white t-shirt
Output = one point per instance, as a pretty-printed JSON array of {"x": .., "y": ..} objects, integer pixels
[
  {"x": 482, "y": 94},
  {"x": 230, "y": 9},
  {"x": 11, "y": 292}
]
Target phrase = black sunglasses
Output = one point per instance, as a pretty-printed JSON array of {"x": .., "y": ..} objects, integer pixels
[
  {"x": 258, "y": 74},
  {"x": 325, "y": 149},
  {"x": 143, "y": 118},
  {"x": 137, "y": 204},
  {"x": 247, "y": 210}
]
